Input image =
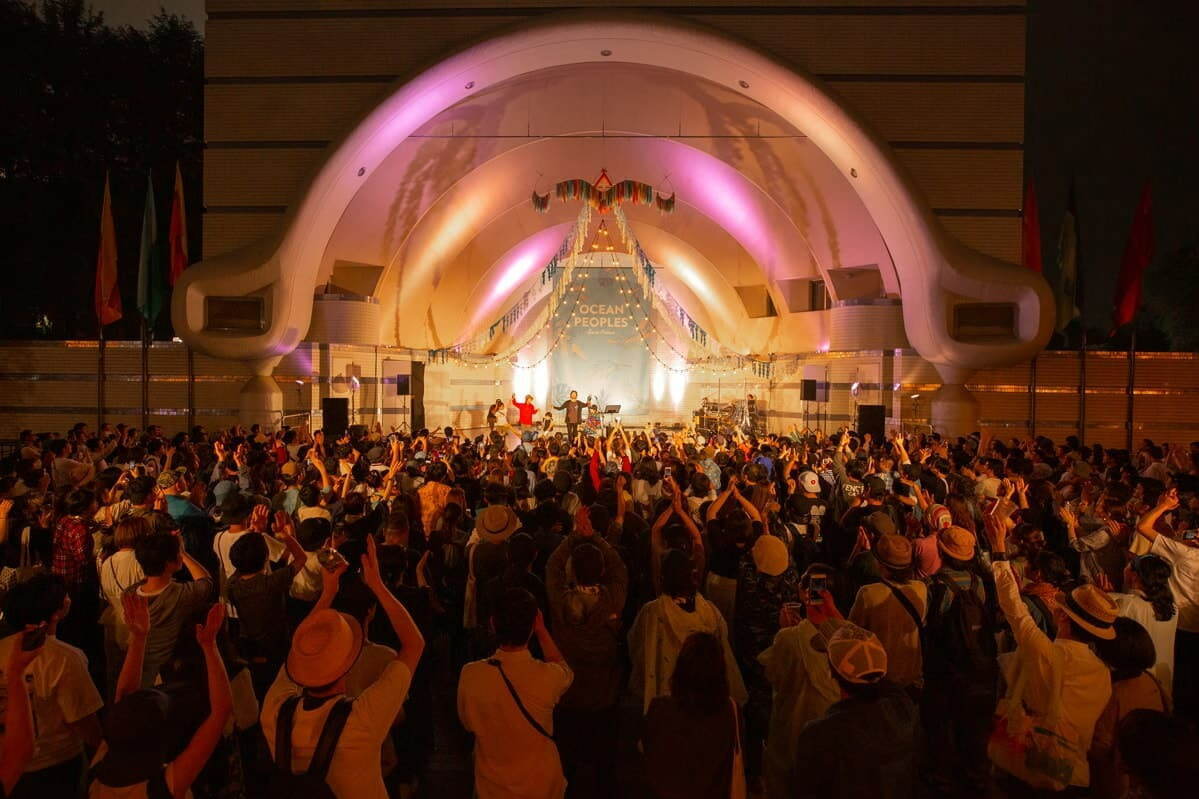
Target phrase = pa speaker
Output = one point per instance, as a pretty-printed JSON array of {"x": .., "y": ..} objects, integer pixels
[
  {"x": 403, "y": 385},
  {"x": 808, "y": 390},
  {"x": 872, "y": 419},
  {"x": 417, "y": 385},
  {"x": 335, "y": 417}
]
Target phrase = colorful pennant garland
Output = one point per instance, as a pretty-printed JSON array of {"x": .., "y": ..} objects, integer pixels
[{"x": 604, "y": 195}]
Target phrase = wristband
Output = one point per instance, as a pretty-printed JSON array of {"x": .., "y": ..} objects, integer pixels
[{"x": 998, "y": 556}]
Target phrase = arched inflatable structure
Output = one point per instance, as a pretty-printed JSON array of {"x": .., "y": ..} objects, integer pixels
[{"x": 936, "y": 273}]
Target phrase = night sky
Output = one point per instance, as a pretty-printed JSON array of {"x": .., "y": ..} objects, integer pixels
[{"x": 1112, "y": 102}]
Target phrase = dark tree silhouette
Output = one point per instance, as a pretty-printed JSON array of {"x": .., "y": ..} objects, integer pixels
[{"x": 81, "y": 98}]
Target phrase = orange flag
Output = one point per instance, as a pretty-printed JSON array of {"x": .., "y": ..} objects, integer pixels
[
  {"x": 108, "y": 288},
  {"x": 177, "y": 238}
]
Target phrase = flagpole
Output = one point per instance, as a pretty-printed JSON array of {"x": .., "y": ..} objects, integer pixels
[
  {"x": 1032, "y": 397},
  {"x": 100, "y": 376},
  {"x": 1082, "y": 388},
  {"x": 145, "y": 376},
  {"x": 1132, "y": 382},
  {"x": 191, "y": 390}
]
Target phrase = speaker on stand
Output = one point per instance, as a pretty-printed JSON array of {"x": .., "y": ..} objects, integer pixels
[
  {"x": 417, "y": 386},
  {"x": 335, "y": 417},
  {"x": 872, "y": 419}
]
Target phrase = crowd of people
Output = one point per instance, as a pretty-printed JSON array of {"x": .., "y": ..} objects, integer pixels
[{"x": 244, "y": 612}]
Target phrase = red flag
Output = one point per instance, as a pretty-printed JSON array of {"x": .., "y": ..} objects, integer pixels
[
  {"x": 177, "y": 238},
  {"x": 1137, "y": 255},
  {"x": 1030, "y": 231},
  {"x": 108, "y": 288}
]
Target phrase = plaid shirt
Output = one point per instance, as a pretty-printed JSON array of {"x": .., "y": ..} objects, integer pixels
[{"x": 72, "y": 551}]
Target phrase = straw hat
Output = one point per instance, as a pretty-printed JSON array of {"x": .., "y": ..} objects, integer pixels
[
  {"x": 770, "y": 555},
  {"x": 893, "y": 551},
  {"x": 496, "y": 523},
  {"x": 956, "y": 542},
  {"x": 324, "y": 647},
  {"x": 1091, "y": 609}
]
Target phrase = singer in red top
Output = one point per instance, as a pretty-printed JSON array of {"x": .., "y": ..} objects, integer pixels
[{"x": 526, "y": 410}]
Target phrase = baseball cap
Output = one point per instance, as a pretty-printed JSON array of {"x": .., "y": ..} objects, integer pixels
[
  {"x": 810, "y": 482},
  {"x": 855, "y": 654}
]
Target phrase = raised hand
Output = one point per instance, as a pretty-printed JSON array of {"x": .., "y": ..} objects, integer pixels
[
  {"x": 283, "y": 526},
  {"x": 259, "y": 519},
  {"x": 137, "y": 613},
  {"x": 370, "y": 565},
  {"x": 206, "y": 633}
]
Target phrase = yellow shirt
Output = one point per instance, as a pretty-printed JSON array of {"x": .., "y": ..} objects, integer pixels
[
  {"x": 512, "y": 759},
  {"x": 876, "y": 609}
]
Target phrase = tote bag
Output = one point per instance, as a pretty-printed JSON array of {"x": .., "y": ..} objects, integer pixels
[{"x": 1036, "y": 749}]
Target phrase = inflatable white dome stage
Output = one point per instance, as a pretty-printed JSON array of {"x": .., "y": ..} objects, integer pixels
[{"x": 793, "y": 231}]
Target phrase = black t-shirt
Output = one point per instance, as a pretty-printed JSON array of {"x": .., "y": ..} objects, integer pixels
[
  {"x": 809, "y": 513},
  {"x": 261, "y": 602}
]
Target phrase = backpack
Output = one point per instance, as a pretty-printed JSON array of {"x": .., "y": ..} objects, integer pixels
[
  {"x": 284, "y": 784},
  {"x": 959, "y": 641}
]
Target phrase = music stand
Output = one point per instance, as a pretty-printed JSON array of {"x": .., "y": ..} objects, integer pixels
[{"x": 611, "y": 409}]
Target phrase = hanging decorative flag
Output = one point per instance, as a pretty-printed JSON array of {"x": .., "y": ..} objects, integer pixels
[
  {"x": 150, "y": 289},
  {"x": 177, "y": 235},
  {"x": 1030, "y": 231},
  {"x": 603, "y": 195},
  {"x": 1137, "y": 255},
  {"x": 108, "y": 288},
  {"x": 1067, "y": 266}
]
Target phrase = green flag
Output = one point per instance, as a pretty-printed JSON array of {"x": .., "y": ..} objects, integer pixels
[
  {"x": 1067, "y": 267},
  {"x": 151, "y": 281}
]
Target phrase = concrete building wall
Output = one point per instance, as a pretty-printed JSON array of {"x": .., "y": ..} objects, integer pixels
[
  {"x": 941, "y": 80},
  {"x": 48, "y": 386}
]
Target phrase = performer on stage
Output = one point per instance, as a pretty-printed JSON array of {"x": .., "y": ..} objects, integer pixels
[
  {"x": 526, "y": 410},
  {"x": 574, "y": 413},
  {"x": 493, "y": 413}
]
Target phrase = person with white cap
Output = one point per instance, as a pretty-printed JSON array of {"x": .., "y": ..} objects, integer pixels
[
  {"x": 308, "y": 698},
  {"x": 866, "y": 744}
]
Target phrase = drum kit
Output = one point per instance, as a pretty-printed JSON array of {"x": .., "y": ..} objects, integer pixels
[{"x": 725, "y": 417}]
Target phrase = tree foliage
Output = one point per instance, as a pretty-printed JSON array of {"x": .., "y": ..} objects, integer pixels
[
  {"x": 82, "y": 99},
  {"x": 1172, "y": 295}
]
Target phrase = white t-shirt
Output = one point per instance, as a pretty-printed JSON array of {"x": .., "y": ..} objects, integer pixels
[
  {"x": 117, "y": 574},
  {"x": 306, "y": 585},
  {"x": 1137, "y": 608},
  {"x": 1184, "y": 582},
  {"x": 61, "y": 692},
  {"x": 513, "y": 760},
  {"x": 355, "y": 772}
]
